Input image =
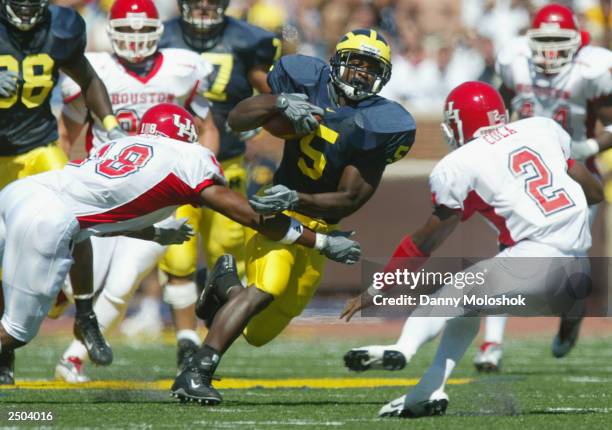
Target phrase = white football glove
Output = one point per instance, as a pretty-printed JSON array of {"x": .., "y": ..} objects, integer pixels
[{"x": 581, "y": 150}]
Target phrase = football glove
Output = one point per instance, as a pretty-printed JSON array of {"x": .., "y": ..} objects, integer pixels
[
  {"x": 8, "y": 83},
  {"x": 116, "y": 133},
  {"x": 173, "y": 232},
  {"x": 296, "y": 108},
  {"x": 338, "y": 247},
  {"x": 275, "y": 199},
  {"x": 584, "y": 149}
]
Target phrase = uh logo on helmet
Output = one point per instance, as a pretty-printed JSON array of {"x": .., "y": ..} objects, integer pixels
[
  {"x": 169, "y": 120},
  {"x": 361, "y": 65},
  {"x": 470, "y": 109}
]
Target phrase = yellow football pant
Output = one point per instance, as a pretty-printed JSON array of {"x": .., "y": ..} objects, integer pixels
[
  {"x": 38, "y": 160},
  {"x": 291, "y": 273},
  {"x": 219, "y": 235}
]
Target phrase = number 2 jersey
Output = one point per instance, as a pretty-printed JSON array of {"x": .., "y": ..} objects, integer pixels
[
  {"x": 134, "y": 182},
  {"x": 568, "y": 96},
  {"x": 374, "y": 132},
  {"x": 177, "y": 76},
  {"x": 516, "y": 176},
  {"x": 241, "y": 46},
  {"x": 26, "y": 121}
]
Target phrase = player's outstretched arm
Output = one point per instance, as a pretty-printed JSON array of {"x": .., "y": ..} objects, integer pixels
[
  {"x": 94, "y": 92},
  {"x": 279, "y": 227},
  {"x": 355, "y": 188},
  {"x": 252, "y": 112},
  {"x": 592, "y": 187},
  {"x": 410, "y": 253}
]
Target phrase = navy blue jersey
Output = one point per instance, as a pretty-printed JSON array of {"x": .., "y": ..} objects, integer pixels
[
  {"x": 241, "y": 47},
  {"x": 26, "y": 121},
  {"x": 374, "y": 132}
]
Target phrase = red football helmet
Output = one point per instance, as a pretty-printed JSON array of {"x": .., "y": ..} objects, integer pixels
[
  {"x": 169, "y": 120},
  {"x": 134, "y": 29},
  {"x": 554, "y": 38},
  {"x": 471, "y": 108}
]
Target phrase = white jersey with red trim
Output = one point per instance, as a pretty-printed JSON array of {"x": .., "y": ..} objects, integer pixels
[
  {"x": 134, "y": 182},
  {"x": 178, "y": 76},
  {"x": 516, "y": 176},
  {"x": 568, "y": 96}
]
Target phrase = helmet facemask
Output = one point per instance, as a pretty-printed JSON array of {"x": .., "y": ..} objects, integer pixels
[
  {"x": 552, "y": 48},
  {"x": 203, "y": 16},
  {"x": 359, "y": 74},
  {"x": 25, "y": 14},
  {"x": 135, "y": 37}
]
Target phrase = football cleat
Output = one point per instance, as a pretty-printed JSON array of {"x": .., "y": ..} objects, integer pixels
[
  {"x": 71, "y": 370},
  {"x": 566, "y": 337},
  {"x": 193, "y": 383},
  {"x": 424, "y": 408},
  {"x": 222, "y": 277},
  {"x": 87, "y": 330},
  {"x": 186, "y": 348},
  {"x": 361, "y": 359},
  {"x": 7, "y": 367},
  {"x": 488, "y": 358}
]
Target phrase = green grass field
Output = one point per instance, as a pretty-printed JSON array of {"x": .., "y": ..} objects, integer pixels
[{"x": 534, "y": 391}]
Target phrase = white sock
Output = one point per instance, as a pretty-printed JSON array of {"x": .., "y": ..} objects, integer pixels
[
  {"x": 416, "y": 332},
  {"x": 494, "y": 328},
  {"x": 188, "y": 334},
  {"x": 456, "y": 338}
]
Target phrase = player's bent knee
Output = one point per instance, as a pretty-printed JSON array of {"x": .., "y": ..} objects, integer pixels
[{"x": 180, "y": 296}]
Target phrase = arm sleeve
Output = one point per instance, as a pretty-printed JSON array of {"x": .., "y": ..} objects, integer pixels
[
  {"x": 449, "y": 187},
  {"x": 279, "y": 80}
]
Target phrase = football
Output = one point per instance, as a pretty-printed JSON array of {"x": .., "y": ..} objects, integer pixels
[{"x": 281, "y": 127}]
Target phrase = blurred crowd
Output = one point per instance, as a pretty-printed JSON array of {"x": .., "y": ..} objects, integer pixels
[{"x": 436, "y": 45}]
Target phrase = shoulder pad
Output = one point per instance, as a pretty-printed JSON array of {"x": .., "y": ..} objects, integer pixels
[
  {"x": 66, "y": 24},
  {"x": 384, "y": 117},
  {"x": 302, "y": 69},
  {"x": 249, "y": 34},
  {"x": 594, "y": 61},
  {"x": 172, "y": 29}
]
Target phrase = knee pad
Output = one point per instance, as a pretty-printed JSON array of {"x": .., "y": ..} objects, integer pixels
[{"x": 181, "y": 296}]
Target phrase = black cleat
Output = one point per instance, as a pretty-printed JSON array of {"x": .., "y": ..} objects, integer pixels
[
  {"x": 357, "y": 360},
  {"x": 393, "y": 360},
  {"x": 222, "y": 277},
  {"x": 186, "y": 349},
  {"x": 87, "y": 330},
  {"x": 7, "y": 367},
  {"x": 193, "y": 383}
]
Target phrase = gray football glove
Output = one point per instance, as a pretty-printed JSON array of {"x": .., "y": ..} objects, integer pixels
[
  {"x": 583, "y": 149},
  {"x": 173, "y": 232},
  {"x": 8, "y": 83},
  {"x": 116, "y": 133},
  {"x": 338, "y": 247},
  {"x": 275, "y": 199},
  {"x": 296, "y": 108}
]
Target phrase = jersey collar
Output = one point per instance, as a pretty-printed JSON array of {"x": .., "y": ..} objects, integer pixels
[{"x": 158, "y": 61}]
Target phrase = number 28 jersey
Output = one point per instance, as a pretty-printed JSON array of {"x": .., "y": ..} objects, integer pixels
[
  {"x": 26, "y": 120},
  {"x": 516, "y": 177},
  {"x": 131, "y": 183}
]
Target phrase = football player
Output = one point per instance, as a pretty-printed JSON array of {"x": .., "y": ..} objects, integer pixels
[
  {"x": 37, "y": 41},
  {"x": 138, "y": 76},
  {"x": 546, "y": 73},
  {"x": 326, "y": 174},
  {"x": 122, "y": 188},
  {"x": 553, "y": 72},
  {"x": 520, "y": 177},
  {"x": 241, "y": 55}
]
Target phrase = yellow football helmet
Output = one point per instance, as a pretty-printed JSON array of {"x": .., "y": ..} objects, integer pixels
[{"x": 361, "y": 65}]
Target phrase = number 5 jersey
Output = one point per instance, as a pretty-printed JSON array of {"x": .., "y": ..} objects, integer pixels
[{"x": 177, "y": 76}]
